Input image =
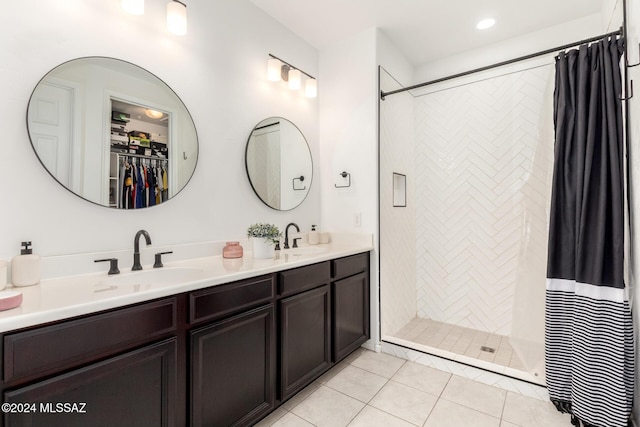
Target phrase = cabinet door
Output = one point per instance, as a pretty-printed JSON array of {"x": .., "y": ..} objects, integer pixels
[
  {"x": 305, "y": 338},
  {"x": 233, "y": 370},
  {"x": 350, "y": 314},
  {"x": 137, "y": 388}
]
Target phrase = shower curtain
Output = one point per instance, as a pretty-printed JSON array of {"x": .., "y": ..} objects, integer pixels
[{"x": 588, "y": 330}]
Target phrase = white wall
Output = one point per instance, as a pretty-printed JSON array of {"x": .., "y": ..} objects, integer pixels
[
  {"x": 348, "y": 142},
  {"x": 218, "y": 69}
]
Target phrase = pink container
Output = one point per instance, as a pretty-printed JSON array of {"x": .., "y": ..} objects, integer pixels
[{"x": 232, "y": 250}]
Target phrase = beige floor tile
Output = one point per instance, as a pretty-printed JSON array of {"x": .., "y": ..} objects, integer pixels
[
  {"x": 508, "y": 424},
  {"x": 486, "y": 356},
  {"x": 300, "y": 396},
  {"x": 372, "y": 417},
  {"x": 473, "y": 351},
  {"x": 528, "y": 412},
  {"x": 324, "y": 378},
  {"x": 449, "y": 414},
  {"x": 475, "y": 395},
  {"x": 291, "y": 420},
  {"x": 272, "y": 417},
  {"x": 493, "y": 340},
  {"x": 381, "y": 364},
  {"x": 327, "y": 407},
  {"x": 353, "y": 356},
  {"x": 515, "y": 362},
  {"x": 404, "y": 402},
  {"x": 448, "y": 342},
  {"x": 357, "y": 383},
  {"x": 423, "y": 378}
]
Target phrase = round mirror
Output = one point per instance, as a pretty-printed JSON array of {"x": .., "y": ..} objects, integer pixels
[
  {"x": 112, "y": 133},
  {"x": 279, "y": 164}
]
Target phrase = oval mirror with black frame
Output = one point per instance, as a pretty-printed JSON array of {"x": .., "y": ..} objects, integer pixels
[
  {"x": 279, "y": 164},
  {"x": 112, "y": 133}
]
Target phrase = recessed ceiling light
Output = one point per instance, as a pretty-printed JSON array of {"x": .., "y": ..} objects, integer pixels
[
  {"x": 153, "y": 114},
  {"x": 486, "y": 23}
]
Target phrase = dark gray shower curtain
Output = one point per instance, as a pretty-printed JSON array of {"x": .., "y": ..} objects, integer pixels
[{"x": 589, "y": 333}]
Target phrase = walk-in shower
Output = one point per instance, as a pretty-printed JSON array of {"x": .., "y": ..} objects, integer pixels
[{"x": 463, "y": 264}]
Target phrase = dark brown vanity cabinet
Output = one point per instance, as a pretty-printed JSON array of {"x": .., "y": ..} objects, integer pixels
[
  {"x": 225, "y": 355},
  {"x": 110, "y": 369},
  {"x": 350, "y": 314},
  {"x": 233, "y": 360}
]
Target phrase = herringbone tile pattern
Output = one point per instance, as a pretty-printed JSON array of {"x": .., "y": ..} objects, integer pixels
[{"x": 479, "y": 197}]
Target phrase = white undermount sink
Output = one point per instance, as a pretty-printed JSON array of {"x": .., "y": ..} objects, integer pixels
[
  {"x": 306, "y": 250},
  {"x": 156, "y": 276}
]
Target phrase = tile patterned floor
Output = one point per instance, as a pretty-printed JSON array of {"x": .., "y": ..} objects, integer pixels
[
  {"x": 380, "y": 390},
  {"x": 462, "y": 341}
]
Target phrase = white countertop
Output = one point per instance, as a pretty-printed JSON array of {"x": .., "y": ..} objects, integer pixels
[{"x": 64, "y": 297}]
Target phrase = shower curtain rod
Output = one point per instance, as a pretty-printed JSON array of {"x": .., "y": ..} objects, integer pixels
[{"x": 500, "y": 64}]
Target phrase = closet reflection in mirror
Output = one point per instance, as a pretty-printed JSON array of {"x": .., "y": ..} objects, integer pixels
[
  {"x": 112, "y": 133},
  {"x": 279, "y": 164}
]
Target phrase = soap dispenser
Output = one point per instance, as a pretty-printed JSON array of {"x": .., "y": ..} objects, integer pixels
[
  {"x": 25, "y": 268},
  {"x": 313, "y": 236}
]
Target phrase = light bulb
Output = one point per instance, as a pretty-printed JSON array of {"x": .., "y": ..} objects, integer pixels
[
  {"x": 177, "y": 18},
  {"x": 274, "y": 69},
  {"x": 294, "y": 79},
  {"x": 153, "y": 114},
  {"x": 311, "y": 88},
  {"x": 486, "y": 23},
  {"x": 134, "y": 7}
]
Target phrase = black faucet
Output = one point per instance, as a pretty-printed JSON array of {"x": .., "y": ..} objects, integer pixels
[
  {"x": 136, "y": 248},
  {"x": 286, "y": 235}
]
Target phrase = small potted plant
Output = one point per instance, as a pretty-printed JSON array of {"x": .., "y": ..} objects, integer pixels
[{"x": 263, "y": 237}]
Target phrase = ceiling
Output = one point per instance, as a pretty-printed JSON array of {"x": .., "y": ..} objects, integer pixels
[{"x": 423, "y": 30}]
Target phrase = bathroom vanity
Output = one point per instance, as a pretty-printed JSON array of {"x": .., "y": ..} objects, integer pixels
[{"x": 211, "y": 352}]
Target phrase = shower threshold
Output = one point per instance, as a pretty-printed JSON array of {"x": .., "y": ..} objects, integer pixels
[{"x": 491, "y": 352}]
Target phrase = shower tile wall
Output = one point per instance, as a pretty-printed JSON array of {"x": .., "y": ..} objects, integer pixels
[{"x": 475, "y": 151}]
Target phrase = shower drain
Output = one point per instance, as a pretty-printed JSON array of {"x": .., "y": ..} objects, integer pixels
[{"x": 488, "y": 349}]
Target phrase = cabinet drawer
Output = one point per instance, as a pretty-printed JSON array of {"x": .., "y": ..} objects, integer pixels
[
  {"x": 303, "y": 278},
  {"x": 348, "y": 266},
  {"x": 64, "y": 345},
  {"x": 224, "y": 300}
]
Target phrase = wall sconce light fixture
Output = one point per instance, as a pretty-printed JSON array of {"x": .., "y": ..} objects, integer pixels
[
  {"x": 134, "y": 7},
  {"x": 176, "y": 14},
  {"x": 277, "y": 70},
  {"x": 177, "y": 17}
]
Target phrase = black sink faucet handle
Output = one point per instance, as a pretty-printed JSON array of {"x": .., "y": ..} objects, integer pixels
[
  {"x": 113, "y": 265},
  {"x": 158, "y": 261},
  {"x": 295, "y": 242}
]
